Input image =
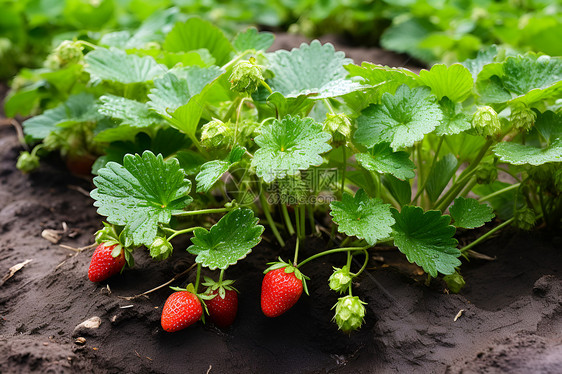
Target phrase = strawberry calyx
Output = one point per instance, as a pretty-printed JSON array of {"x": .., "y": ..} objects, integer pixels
[
  {"x": 289, "y": 268},
  {"x": 219, "y": 288},
  {"x": 108, "y": 236}
]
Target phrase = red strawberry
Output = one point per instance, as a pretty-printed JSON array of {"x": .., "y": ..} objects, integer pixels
[
  {"x": 103, "y": 264},
  {"x": 222, "y": 311},
  {"x": 281, "y": 289},
  {"x": 181, "y": 310}
]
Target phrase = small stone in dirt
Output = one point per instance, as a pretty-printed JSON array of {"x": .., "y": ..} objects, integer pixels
[
  {"x": 85, "y": 327},
  {"x": 80, "y": 340},
  {"x": 542, "y": 285}
]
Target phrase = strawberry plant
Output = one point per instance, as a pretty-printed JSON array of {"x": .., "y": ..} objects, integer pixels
[{"x": 197, "y": 127}]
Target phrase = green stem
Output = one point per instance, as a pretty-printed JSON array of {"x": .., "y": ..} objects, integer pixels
[
  {"x": 287, "y": 218},
  {"x": 345, "y": 241},
  {"x": 203, "y": 211},
  {"x": 232, "y": 109},
  {"x": 349, "y": 257},
  {"x": 295, "y": 259},
  {"x": 302, "y": 215},
  {"x": 267, "y": 213},
  {"x": 267, "y": 86},
  {"x": 471, "y": 183},
  {"x": 343, "y": 170},
  {"x": 433, "y": 162},
  {"x": 364, "y": 264},
  {"x": 197, "y": 278},
  {"x": 330, "y": 251},
  {"x": 499, "y": 192},
  {"x": 179, "y": 232},
  {"x": 450, "y": 195},
  {"x": 238, "y": 111},
  {"x": 329, "y": 106},
  {"x": 298, "y": 222},
  {"x": 87, "y": 44},
  {"x": 311, "y": 221},
  {"x": 221, "y": 276},
  {"x": 238, "y": 58},
  {"x": 486, "y": 235}
]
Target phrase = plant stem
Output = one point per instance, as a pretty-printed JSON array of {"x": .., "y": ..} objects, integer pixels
[
  {"x": 298, "y": 221},
  {"x": 499, "y": 192},
  {"x": 421, "y": 187},
  {"x": 221, "y": 276},
  {"x": 295, "y": 259},
  {"x": 197, "y": 278},
  {"x": 343, "y": 172},
  {"x": 238, "y": 111},
  {"x": 330, "y": 251},
  {"x": 471, "y": 183},
  {"x": 311, "y": 221},
  {"x": 349, "y": 257},
  {"x": 232, "y": 62},
  {"x": 203, "y": 211},
  {"x": 267, "y": 213},
  {"x": 364, "y": 264},
  {"x": 287, "y": 218},
  {"x": 179, "y": 232},
  {"x": 329, "y": 106},
  {"x": 302, "y": 215},
  {"x": 486, "y": 235}
]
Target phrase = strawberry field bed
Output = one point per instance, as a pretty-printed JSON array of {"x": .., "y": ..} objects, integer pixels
[{"x": 511, "y": 318}]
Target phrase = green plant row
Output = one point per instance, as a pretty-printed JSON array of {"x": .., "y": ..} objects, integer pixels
[{"x": 199, "y": 127}]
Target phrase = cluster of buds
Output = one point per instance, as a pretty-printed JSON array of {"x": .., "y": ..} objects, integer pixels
[
  {"x": 66, "y": 53},
  {"x": 161, "y": 248},
  {"x": 525, "y": 218},
  {"x": 27, "y": 162},
  {"x": 246, "y": 76},
  {"x": 339, "y": 126},
  {"x": 340, "y": 280},
  {"x": 523, "y": 117},
  {"x": 215, "y": 134},
  {"x": 486, "y": 122},
  {"x": 350, "y": 313}
]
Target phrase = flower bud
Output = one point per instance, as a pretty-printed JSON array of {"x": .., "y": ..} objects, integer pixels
[
  {"x": 486, "y": 173},
  {"x": 27, "y": 162},
  {"x": 523, "y": 117},
  {"x": 486, "y": 122},
  {"x": 525, "y": 218},
  {"x": 161, "y": 248},
  {"x": 66, "y": 53},
  {"x": 350, "y": 313},
  {"x": 246, "y": 76},
  {"x": 215, "y": 134},
  {"x": 455, "y": 282},
  {"x": 339, "y": 126},
  {"x": 340, "y": 280}
]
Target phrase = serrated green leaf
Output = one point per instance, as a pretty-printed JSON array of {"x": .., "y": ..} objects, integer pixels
[
  {"x": 454, "y": 121},
  {"x": 469, "y": 213},
  {"x": 525, "y": 73},
  {"x": 426, "y": 238},
  {"x": 252, "y": 39},
  {"x": 519, "y": 154},
  {"x": 212, "y": 171},
  {"x": 115, "y": 65},
  {"x": 383, "y": 160},
  {"x": 313, "y": 70},
  {"x": 485, "y": 56},
  {"x": 362, "y": 217},
  {"x": 141, "y": 194},
  {"x": 454, "y": 82},
  {"x": 383, "y": 76},
  {"x": 130, "y": 112},
  {"x": 78, "y": 108},
  {"x": 228, "y": 241},
  {"x": 401, "y": 119},
  {"x": 549, "y": 125},
  {"x": 288, "y": 146},
  {"x": 196, "y": 33},
  {"x": 399, "y": 189},
  {"x": 503, "y": 204},
  {"x": 440, "y": 175},
  {"x": 168, "y": 94}
]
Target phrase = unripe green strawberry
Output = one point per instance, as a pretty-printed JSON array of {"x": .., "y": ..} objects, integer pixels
[
  {"x": 525, "y": 218},
  {"x": 27, "y": 162},
  {"x": 246, "y": 76},
  {"x": 161, "y": 248},
  {"x": 350, "y": 313},
  {"x": 455, "y": 282},
  {"x": 486, "y": 122},
  {"x": 215, "y": 133},
  {"x": 340, "y": 280},
  {"x": 181, "y": 309},
  {"x": 67, "y": 52},
  {"x": 339, "y": 125}
]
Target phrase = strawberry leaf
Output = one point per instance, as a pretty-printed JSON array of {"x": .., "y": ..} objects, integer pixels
[
  {"x": 288, "y": 146},
  {"x": 454, "y": 121},
  {"x": 440, "y": 175},
  {"x": 212, "y": 171},
  {"x": 469, "y": 213},
  {"x": 362, "y": 217},
  {"x": 426, "y": 238},
  {"x": 401, "y": 119},
  {"x": 196, "y": 33},
  {"x": 454, "y": 82},
  {"x": 130, "y": 112},
  {"x": 484, "y": 57},
  {"x": 116, "y": 65},
  {"x": 313, "y": 70},
  {"x": 519, "y": 154},
  {"x": 228, "y": 241},
  {"x": 252, "y": 39},
  {"x": 141, "y": 194},
  {"x": 383, "y": 160}
]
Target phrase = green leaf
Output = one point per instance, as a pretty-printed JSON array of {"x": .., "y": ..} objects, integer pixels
[
  {"x": 549, "y": 125},
  {"x": 503, "y": 204},
  {"x": 406, "y": 36},
  {"x": 440, "y": 175},
  {"x": 196, "y": 33},
  {"x": 387, "y": 78},
  {"x": 454, "y": 121},
  {"x": 401, "y": 119},
  {"x": 141, "y": 194},
  {"x": 130, "y": 112},
  {"x": 116, "y": 65},
  {"x": 288, "y": 146},
  {"x": 313, "y": 70},
  {"x": 469, "y": 213},
  {"x": 399, "y": 189},
  {"x": 212, "y": 171},
  {"x": 519, "y": 154},
  {"x": 228, "y": 241},
  {"x": 383, "y": 160},
  {"x": 78, "y": 108},
  {"x": 168, "y": 94},
  {"x": 362, "y": 217},
  {"x": 485, "y": 56},
  {"x": 252, "y": 39},
  {"x": 426, "y": 238},
  {"x": 454, "y": 82},
  {"x": 525, "y": 73}
]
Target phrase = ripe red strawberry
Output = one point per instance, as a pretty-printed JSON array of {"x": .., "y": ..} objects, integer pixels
[
  {"x": 181, "y": 310},
  {"x": 281, "y": 289},
  {"x": 222, "y": 311},
  {"x": 103, "y": 264}
]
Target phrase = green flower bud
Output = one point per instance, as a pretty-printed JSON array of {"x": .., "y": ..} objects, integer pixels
[
  {"x": 340, "y": 280},
  {"x": 161, "y": 248},
  {"x": 455, "y": 282},
  {"x": 486, "y": 122},
  {"x": 523, "y": 117},
  {"x": 215, "y": 134},
  {"x": 486, "y": 173},
  {"x": 66, "y": 53},
  {"x": 107, "y": 234},
  {"x": 339, "y": 125},
  {"x": 246, "y": 76},
  {"x": 27, "y": 162},
  {"x": 350, "y": 313},
  {"x": 525, "y": 218}
]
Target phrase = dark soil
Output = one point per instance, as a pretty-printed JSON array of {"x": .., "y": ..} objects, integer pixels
[{"x": 512, "y": 319}]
